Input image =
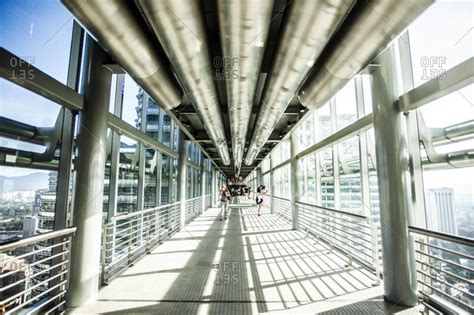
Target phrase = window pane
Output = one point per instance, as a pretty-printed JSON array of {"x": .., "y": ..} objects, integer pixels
[
  {"x": 435, "y": 46},
  {"x": 127, "y": 196},
  {"x": 349, "y": 175},
  {"x": 38, "y": 32},
  {"x": 324, "y": 121},
  {"x": 27, "y": 202},
  {"x": 327, "y": 178},
  {"x": 132, "y": 102},
  {"x": 346, "y": 106},
  {"x": 151, "y": 169},
  {"x": 27, "y": 107},
  {"x": 165, "y": 179}
]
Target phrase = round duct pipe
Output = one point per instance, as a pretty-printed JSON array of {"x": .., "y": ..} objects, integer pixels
[
  {"x": 121, "y": 31},
  {"x": 243, "y": 26},
  {"x": 366, "y": 32},
  {"x": 308, "y": 26},
  {"x": 179, "y": 26}
]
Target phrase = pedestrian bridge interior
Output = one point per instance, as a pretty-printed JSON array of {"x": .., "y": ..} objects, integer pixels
[{"x": 121, "y": 121}]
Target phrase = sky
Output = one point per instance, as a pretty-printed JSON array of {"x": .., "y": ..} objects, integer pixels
[{"x": 40, "y": 31}]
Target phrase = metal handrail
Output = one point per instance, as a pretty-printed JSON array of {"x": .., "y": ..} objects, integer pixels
[
  {"x": 281, "y": 198},
  {"x": 37, "y": 238},
  {"x": 360, "y": 216},
  {"x": 442, "y": 236},
  {"x": 132, "y": 214}
]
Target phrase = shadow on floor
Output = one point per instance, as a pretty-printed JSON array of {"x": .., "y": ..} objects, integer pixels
[{"x": 245, "y": 265}]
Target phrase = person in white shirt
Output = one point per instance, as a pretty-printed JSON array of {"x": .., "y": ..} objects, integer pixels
[
  {"x": 224, "y": 196},
  {"x": 261, "y": 192}
]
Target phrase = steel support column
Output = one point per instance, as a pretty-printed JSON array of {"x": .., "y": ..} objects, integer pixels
[
  {"x": 213, "y": 187},
  {"x": 272, "y": 186},
  {"x": 91, "y": 157},
  {"x": 294, "y": 171},
  {"x": 393, "y": 172},
  {"x": 182, "y": 179},
  {"x": 203, "y": 185}
]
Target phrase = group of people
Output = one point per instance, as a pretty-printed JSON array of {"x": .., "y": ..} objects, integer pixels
[{"x": 225, "y": 197}]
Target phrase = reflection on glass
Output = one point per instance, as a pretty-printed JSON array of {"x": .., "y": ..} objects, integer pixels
[
  {"x": 27, "y": 107},
  {"x": 327, "y": 177},
  {"x": 346, "y": 105},
  {"x": 38, "y": 32},
  {"x": 436, "y": 47},
  {"x": 349, "y": 175},
  {"x": 27, "y": 202},
  {"x": 127, "y": 196},
  {"x": 151, "y": 169}
]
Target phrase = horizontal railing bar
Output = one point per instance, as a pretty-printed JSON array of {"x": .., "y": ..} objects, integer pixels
[
  {"x": 128, "y": 215},
  {"x": 446, "y": 250},
  {"x": 360, "y": 216},
  {"x": 442, "y": 236},
  {"x": 37, "y": 238},
  {"x": 36, "y": 297},
  {"x": 340, "y": 224},
  {"x": 365, "y": 226},
  {"x": 444, "y": 271},
  {"x": 38, "y": 262},
  {"x": 4, "y": 301},
  {"x": 442, "y": 293},
  {"x": 433, "y": 279},
  {"x": 446, "y": 261},
  {"x": 45, "y": 249}
]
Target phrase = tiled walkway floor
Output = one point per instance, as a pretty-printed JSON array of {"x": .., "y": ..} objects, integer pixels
[{"x": 246, "y": 264}]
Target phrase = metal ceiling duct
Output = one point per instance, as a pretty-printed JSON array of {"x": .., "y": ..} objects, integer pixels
[
  {"x": 244, "y": 26},
  {"x": 124, "y": 35},
  {"x": 179, "y": 26},
  {"x": 308, "y": 27},
  {"x": 366, "y": 32}
]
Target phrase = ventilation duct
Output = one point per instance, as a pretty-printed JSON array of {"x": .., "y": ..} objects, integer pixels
[
  {"x": 308, "y": 27},
  {"x": 367, "y": 31},
  {"x": 179, "y": 26},
  {"x": 244, "y": 26},
  {"x": 123, "y": 34}
]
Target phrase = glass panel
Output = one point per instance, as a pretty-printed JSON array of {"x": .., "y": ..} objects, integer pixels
[
  {"x": 165, "y": 179},
  {"x": 151, "y": 169},
  {"x": 324, "y": 121},
  {"x": 27, "y": 107},
  {"x": 127, "y": 196},
  {"x": 132, "y": 102},
  {"x": 367, "y": 92},
  {"x": 436, "y": 47},
  {"x": 327, "y": 177},
  {"x": 38, "y": 32},
  {"x": 349, "y": 175},
  {"x": 346, "y": 105},
  {"x": 27, "y": 202}
]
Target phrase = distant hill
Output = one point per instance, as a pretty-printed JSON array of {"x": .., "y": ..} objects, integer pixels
[{"x": 24, "y": 183}]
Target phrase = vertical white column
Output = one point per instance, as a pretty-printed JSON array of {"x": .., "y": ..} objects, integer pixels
[
  {"x": 393, "y": 172},
  {"x": 182, "y": 179},
  {"x": 89, "y": 188},
  {"x": 294, "y": 171}
]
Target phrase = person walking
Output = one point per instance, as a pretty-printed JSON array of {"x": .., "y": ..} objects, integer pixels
[
  {"x": 261, "y": 192},
  {"x": 224, "y": 195}
]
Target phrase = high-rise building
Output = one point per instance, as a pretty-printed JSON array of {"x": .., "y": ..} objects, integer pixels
[{"x": 440, "y": 210}]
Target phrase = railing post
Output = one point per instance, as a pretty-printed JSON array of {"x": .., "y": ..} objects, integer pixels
[
  {"x": 129, "y": 258},
  {"x": 375, "y": 249},
  {"x": 294, "y": 180},
  {"x": 90, "y": 170},
  {"x": 103, "y": 278}
]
